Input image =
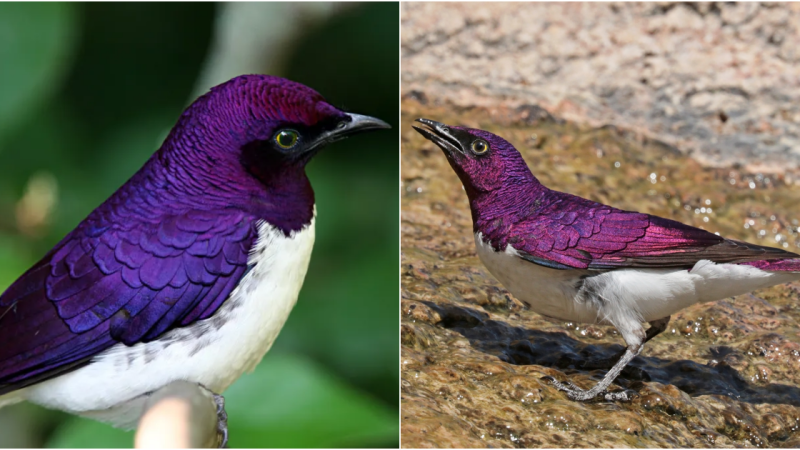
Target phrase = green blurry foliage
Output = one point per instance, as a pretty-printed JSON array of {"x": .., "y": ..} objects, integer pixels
[
  {"x": 36, "y": 42},
  {"x": 94, "y": 89}
]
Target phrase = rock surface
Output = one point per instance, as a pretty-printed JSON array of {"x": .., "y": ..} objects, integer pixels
[
  {"x": 724, "y": 374},
  {"x": 718, "y": 80}
]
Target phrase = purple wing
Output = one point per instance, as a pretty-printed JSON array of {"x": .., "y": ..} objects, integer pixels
[
  {"x": 570, "y": 232},
  {"x": 118, "y": 278}
]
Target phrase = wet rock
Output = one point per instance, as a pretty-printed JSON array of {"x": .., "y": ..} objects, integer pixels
[{"x": 723, "y": 374}]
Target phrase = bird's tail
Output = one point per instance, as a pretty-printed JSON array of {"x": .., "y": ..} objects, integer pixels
[{"x": 776, "y": 265}]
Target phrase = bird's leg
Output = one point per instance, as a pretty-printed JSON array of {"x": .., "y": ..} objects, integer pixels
[
  {"x": 222, "y": 421},
  {"x": 222, "y": 418},
  {"x": 575, "y": 393},
  {"x": 656, "y": 328},
  {"x": 634, "y": 335}
]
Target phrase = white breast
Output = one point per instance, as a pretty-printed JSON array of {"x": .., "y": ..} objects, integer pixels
[
  {"x": 549, "y": 292},
  {"x": 213, "y": 352},
  {"x": 623, "y": 297}
]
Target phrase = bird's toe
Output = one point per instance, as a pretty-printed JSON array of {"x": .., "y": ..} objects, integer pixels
[
  {"x": 222, "y": 421},
  {"x": 619, "y": 396},
  {"x": 572, "y": 391}
]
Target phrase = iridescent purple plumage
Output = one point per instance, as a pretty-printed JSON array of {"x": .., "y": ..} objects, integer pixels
[
  {"x": 170, "y": 245},
  {"x": 582, "y": 261},
  {"x": 560, "y": 230}
]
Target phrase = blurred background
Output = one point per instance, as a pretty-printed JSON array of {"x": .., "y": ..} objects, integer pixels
[{"x": 87, "y": 94}]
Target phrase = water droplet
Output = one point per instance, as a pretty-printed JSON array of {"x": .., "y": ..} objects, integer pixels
[
  {"x": 617, "y": 164},
  {"x": 752, "y": 185},
  {"x": 705, "y": 219}
]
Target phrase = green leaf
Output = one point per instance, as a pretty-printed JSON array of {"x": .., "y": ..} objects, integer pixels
[
  {"x": 36, "y": 40},
  {"x": 14, "y": 260},
  {"x": 289, "y": 401},
  {"x": 84, "y": 433}
]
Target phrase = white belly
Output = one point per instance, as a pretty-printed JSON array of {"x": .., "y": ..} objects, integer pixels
[
  {"x": 622, "y": 295},
  {"x": 549, "y": 292},
  {"x": 213, "y": 352}
]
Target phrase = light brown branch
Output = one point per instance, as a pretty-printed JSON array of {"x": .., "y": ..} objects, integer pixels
[{"x": 179, "y": 415}]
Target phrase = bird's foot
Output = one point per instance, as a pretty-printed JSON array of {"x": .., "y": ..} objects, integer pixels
[
  {"x": 222, "y": 421},
  {"x": 577, "y": 394}
]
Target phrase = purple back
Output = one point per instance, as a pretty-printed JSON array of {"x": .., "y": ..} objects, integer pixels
[{"x": 170, "y": 245}]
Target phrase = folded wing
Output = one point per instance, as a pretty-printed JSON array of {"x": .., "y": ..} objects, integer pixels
[
  {"x": 575, "y": 233},
  {"x": 126, "y": 280}
]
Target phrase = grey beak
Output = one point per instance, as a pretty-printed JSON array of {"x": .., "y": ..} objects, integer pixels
[
  {"x": 439, "y": 134},
  {"x": 358, "y": 124},
  {"x": 363, "y": 123}
]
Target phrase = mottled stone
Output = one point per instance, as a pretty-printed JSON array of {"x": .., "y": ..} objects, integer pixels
[
  {"x": 719, "y": 80},
  {"x": 723, "y": 374}
]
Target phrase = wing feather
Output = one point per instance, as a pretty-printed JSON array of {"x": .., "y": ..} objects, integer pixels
[
  {"x": 126, "y": 280},
  {"x": 570, "y": 232}
]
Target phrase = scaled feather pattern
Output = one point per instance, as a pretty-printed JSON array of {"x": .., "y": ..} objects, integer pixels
[
  {"x": 171, "y": 244},
  {"x": 562, "y": 231}
]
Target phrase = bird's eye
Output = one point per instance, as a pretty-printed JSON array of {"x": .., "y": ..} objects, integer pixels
[
  {"x": 480, "y": 146},
  {"x": 286, "y": 138}
]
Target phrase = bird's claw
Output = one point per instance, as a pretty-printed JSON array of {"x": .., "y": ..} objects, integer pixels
[
  {"x": 577, "y": 394},
  {"x": 621, "y": 396},
  {"x": 222, "y": 421}
]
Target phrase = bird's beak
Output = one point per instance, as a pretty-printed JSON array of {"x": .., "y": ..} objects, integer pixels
[
  {"x": 357, "y": 124},
  {"x": 440, "y": 134},
  {"x": 361, "y": 123}
]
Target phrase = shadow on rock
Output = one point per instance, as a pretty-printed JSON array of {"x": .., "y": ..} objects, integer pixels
[{"x": 520, "y": 346}]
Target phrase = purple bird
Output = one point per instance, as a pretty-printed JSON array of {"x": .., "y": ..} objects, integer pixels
[
  {"x": 581, "y": 261},
  {"x": 188, "y": 271}
]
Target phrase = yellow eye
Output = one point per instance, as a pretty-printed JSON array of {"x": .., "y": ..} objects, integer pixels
[
  {"x": 286, "y": 138},
  {"x": 479, "y": 146}
]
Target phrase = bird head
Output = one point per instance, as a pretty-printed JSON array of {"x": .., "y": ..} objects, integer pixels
[
  {"x": 263, "y": 125},
  {"x": 483, "y": 161},
  {"x": 246, "y": 143}
]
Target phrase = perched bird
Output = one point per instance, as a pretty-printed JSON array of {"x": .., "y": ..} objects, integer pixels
[
  {"x": 581, "y": 261},
  {"x": 188, "y": 271}
]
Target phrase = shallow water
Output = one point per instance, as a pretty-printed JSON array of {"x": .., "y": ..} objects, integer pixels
[{"x": 724, "y": 374}]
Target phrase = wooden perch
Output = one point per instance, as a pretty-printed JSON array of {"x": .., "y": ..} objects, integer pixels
[{"x": 179, "y": 415}]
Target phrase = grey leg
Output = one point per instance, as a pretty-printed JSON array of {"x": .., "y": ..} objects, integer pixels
[
  {"x": 635, "y": 337},
  {"x": 222, "y": 421},
  {"x": 575, "y": 393},
  {"x": 656, "y": 328}
]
